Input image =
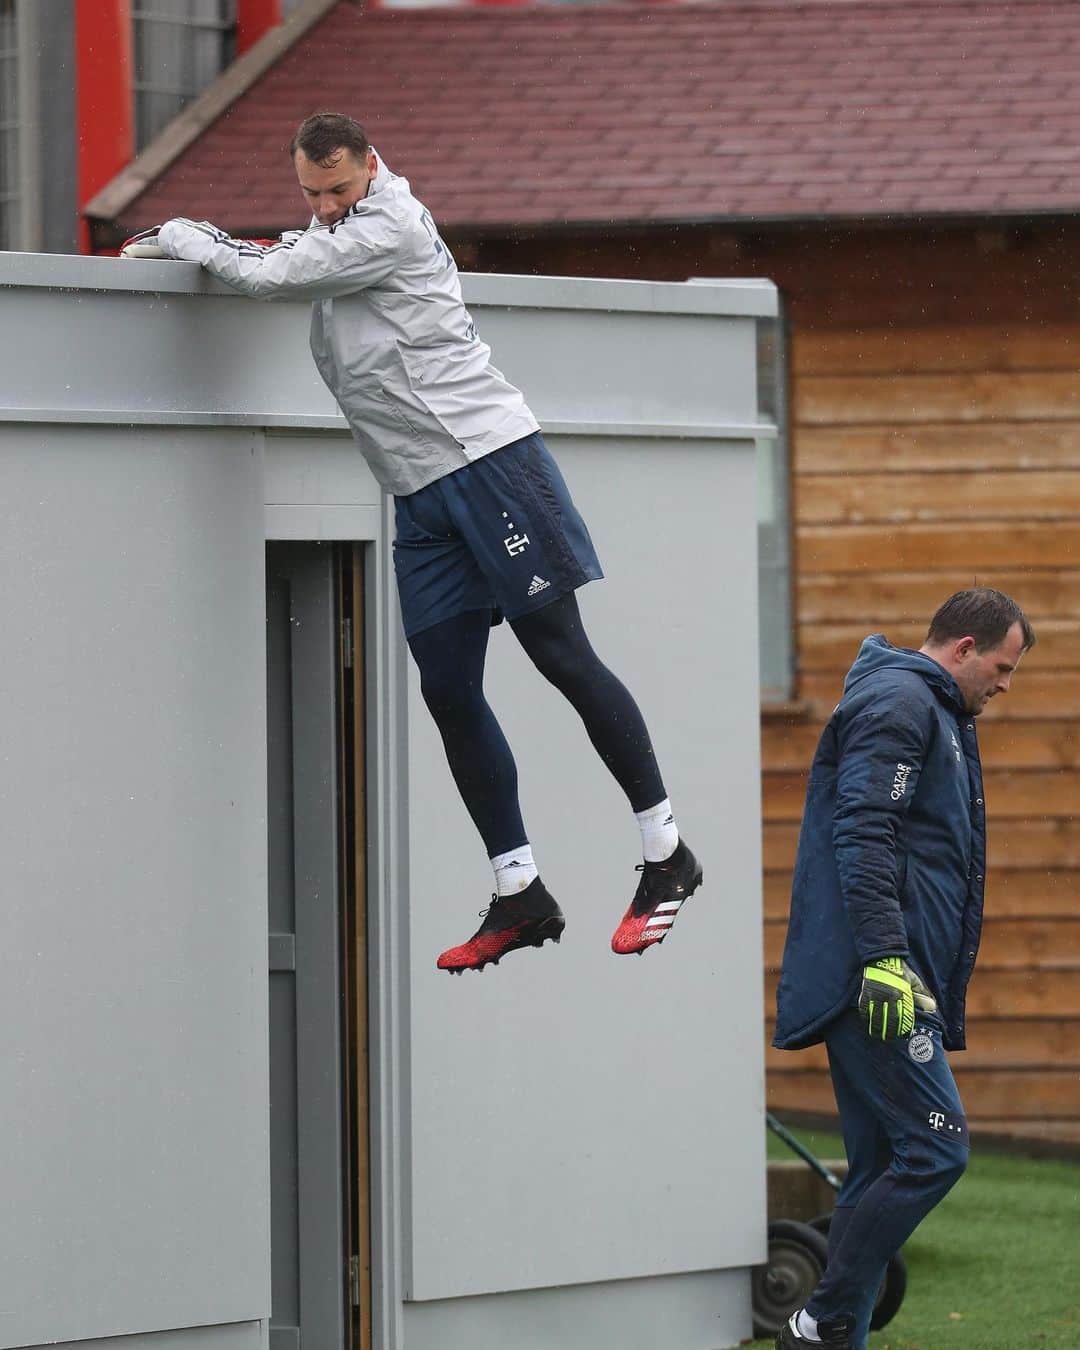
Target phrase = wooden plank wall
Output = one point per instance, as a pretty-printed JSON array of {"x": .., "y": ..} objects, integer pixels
[{"x": 924, "y": 459}]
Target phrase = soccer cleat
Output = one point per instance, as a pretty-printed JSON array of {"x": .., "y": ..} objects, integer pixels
[
  {"x": 526, "y": 919},
  {"x": 835, "y": 1332},
  {"x": 661, "y": 892}
]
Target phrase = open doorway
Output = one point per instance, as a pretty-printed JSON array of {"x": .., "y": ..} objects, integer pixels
[{"x": 317, "y": 847}]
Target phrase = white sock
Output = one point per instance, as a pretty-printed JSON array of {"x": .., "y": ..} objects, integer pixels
[
  {"x": 806, "y": 1327},
  {"x": 659, "y": 833},
  {"x": 514, "y": 870}
]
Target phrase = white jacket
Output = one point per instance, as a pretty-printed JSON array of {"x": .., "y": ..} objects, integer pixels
[{"x": 390, "y": 333}]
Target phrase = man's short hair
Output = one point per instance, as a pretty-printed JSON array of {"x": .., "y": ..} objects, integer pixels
[
  {"x": 981, "y": 613},
  {"x": 323, "y": 137}
]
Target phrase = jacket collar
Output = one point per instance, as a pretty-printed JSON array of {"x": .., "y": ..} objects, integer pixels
[
  {"x": 877, "y": 653},
  {"x": 383, "y": 177}
]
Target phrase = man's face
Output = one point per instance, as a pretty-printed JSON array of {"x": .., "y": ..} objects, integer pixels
[
  {"x": 982, "y": 675},
  {"x": 330, "y": 189}
]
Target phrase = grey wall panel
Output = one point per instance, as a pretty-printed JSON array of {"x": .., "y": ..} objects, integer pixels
[
  {"x": 698, "y": 1312},
  {"x": 142, "y": 337},
  {"x": 613, "y": 367},
  {"x": 318, "y": 470},
  {"x": 123, "y": 351},
  {"x": 238, "y": 1336},
  {"x": 575, "y": 1115},
  {"x": 132, "y": 828}
]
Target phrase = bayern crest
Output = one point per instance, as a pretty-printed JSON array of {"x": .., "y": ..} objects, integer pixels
[{"x": 921, "y": 1048}]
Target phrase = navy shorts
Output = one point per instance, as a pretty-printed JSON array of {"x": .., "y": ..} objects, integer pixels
[{"x": 501, "y": 534}]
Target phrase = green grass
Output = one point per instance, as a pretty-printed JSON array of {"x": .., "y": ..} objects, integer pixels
[{"x": 996, "y": 1266}]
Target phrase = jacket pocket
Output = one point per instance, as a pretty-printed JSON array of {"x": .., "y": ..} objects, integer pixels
[{"x": 443, "y": 382}]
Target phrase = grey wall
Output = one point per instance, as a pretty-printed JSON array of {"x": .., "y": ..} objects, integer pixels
[
  {"x": 132, "y": 833},
  {"x": 154, "y": 432},
  {"x": 610, "y": 1068},
  {"x": 609, "y": 1108}
]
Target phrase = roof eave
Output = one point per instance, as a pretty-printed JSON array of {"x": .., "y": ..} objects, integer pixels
[{"x": 854, "y": 220}]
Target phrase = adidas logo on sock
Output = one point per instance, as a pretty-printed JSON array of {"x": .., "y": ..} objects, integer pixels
[{"x": 538, "y": 585}]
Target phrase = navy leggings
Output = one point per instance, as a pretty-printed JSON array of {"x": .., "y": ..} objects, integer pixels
[{"x": 450, "y": 657}]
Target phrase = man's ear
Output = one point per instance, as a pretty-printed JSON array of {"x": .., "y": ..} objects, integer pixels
[{"x": 964, "y": 647}]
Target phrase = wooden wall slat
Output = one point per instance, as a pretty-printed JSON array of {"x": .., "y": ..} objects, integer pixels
[
  {"x": 844, "y": 400},
  {"x": 1004, "y": 744},
  {"x": 1038, "y": 944},
  {"x": 1003, "y": 1093},
  {"x": 1010, "y": 794},
  {"x": 991, "y": 1044},
  {"x": 972, "y": 347},
  {"x": 833, "y": 647},
  {"x": 1029, "y": 745},
  {"x": 779, "y": 841},
  {"x": 1007, "y": 994},
  {"x": 1035, "y": 696},
  {"x": 1034, "y": 893},
  {"x": 789, "y": 746},
  {"x": 1049, "y": 846},
  {"x": 877, "y": 599},
  {"x": 1026, "y": 1128},
  {"x": 1037, "y": 892},
  {"x": 937, "y": 447},
  {"x": 855, "y": 498},
  {"x": 979, "y": 549}
]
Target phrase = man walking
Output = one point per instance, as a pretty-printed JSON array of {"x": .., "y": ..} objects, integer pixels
[
  {"x": 486, "y": 528},
  {"x": 886, "y": 909}
]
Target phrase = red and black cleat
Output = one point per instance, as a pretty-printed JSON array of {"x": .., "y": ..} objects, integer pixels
[
  {"x": 661, "y": 892},
  {"x": 527, "y": 919}
]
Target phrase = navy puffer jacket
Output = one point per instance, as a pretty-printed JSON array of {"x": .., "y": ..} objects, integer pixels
[{"x": 892, "y": 850}]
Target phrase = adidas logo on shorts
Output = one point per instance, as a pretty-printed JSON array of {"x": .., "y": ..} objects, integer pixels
[{"x": 538, "y": 585}]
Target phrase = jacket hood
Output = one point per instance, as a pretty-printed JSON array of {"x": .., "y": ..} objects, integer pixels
[
  {"x": 383, "y": 175},
  {"x": 877, "y": 654}
]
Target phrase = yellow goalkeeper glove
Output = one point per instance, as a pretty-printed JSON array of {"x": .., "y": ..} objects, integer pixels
[{"x": 891, "y": 992}]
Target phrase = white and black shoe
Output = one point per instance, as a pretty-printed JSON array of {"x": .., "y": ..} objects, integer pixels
[{"x": 833, "y": 1332}]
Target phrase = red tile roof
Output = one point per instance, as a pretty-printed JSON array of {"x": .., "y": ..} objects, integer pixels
[{"x": 611, "y": 113}]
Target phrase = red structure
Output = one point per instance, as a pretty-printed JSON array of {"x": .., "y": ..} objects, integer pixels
[
  {"x": 253, "y": 19},
  {"x": 105, "y": 111}
]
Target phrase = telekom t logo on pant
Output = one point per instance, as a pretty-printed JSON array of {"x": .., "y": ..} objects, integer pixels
[
  {"x": 947, "y": 1121},
  {"x": 514, "y": 543}
]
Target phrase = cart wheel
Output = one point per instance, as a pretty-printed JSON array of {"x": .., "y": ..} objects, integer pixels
[
  {"x": 798, "y": 1255},
  {"x": 893, "y": 1286}
]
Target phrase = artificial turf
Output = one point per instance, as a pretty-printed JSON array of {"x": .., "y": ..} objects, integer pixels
[{"x": 996, "y": 1266}]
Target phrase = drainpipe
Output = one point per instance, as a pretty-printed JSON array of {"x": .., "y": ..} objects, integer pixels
[{"x": 27, "y": 39}]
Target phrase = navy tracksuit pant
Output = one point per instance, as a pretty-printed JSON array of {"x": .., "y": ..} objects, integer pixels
[{"x": 907, "y": 1145}]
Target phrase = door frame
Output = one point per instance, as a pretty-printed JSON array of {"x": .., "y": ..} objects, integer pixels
[{"x": 312, "y": 785}]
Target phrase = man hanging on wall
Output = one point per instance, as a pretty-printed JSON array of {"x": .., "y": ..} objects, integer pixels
[
  {"x": 486, "y": 528},
  {"x": 886, "y": 909}
]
